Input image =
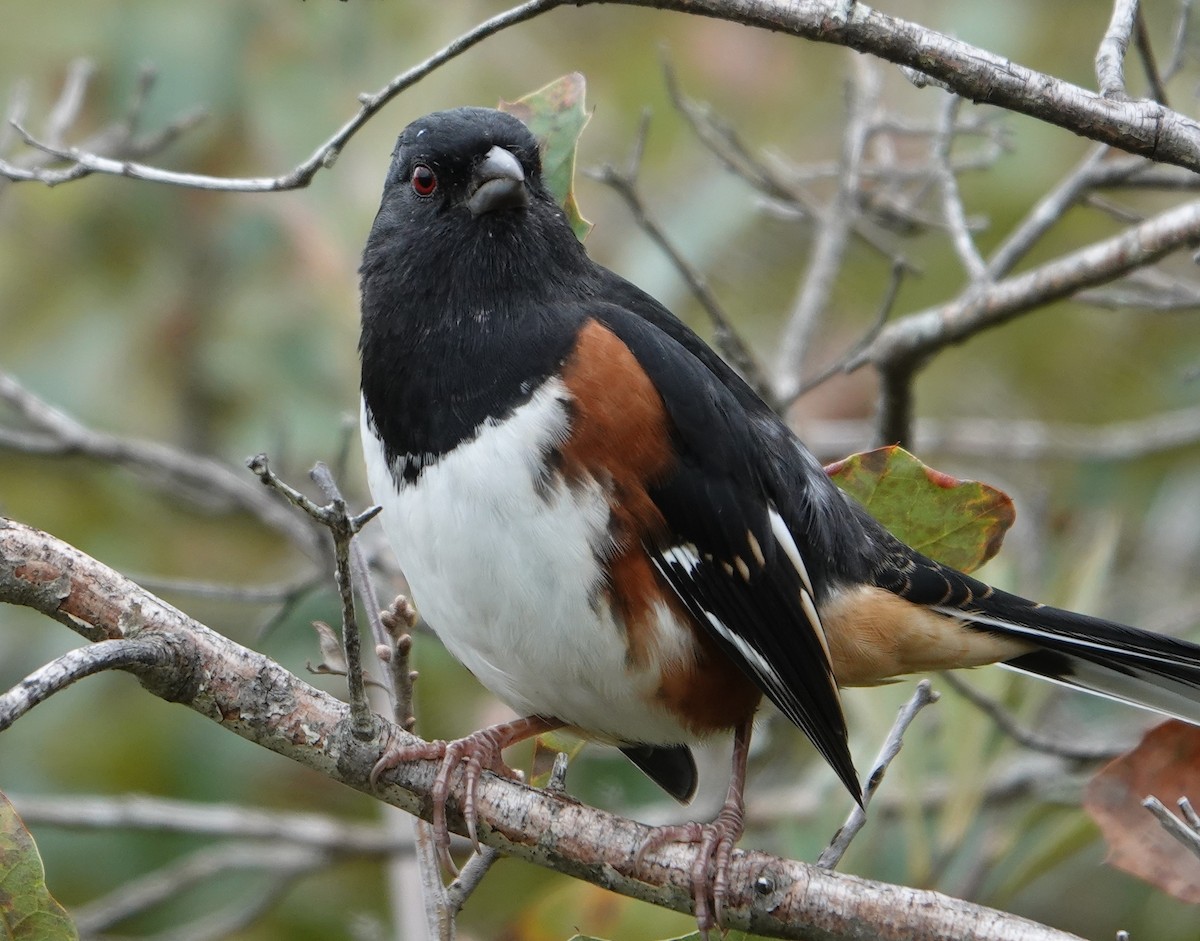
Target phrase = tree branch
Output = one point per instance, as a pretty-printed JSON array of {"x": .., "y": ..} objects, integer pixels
[
  {"x": 200, "y": 480},
  {"x": 917, "y": 336},
  {"x": 257, "y": 699},
  {"x": 1146, "y": 128},
  {"x": 1137, "y": 127},
  {"x": 832, "y": 854},
  {"x": 1026, "y": 440}
]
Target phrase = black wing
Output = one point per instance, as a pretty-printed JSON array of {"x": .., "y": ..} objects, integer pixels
[{"x": 732, "y": 556}]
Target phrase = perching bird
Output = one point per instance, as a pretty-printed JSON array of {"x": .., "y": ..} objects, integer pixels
[{"x": 611, "y": 530}]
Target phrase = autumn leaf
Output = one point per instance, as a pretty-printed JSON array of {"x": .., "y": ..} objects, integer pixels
[
  {"x": 28, "y": 912},
  {"x": 1166, "y": 765},
  {"x": 556, "y": 115},
  {"x": 960, "y": 523}
]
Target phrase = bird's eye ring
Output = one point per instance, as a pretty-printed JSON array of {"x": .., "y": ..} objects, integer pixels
[{"x": 424, "y": 180}]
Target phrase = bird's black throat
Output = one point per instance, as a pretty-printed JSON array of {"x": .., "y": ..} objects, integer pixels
[{"x": 461, "y": 322}]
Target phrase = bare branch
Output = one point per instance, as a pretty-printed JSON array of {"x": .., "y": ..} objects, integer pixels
[
  {"x": 725, "y": 337},
  {"x": 1110, "y": 57},
  {"x": 835, "y": 223},
  {"x": 83, "y": 162},
  {"x": 953, "y": 210},
  {"x": 1026, "y": 440},
  {"x": 116, "y": 654},
  {"x": 142, "y": 812},
  {"x": 230, "y": 684},
  {"x": 285, "y": 862},
  {"x": 1008, "y": 724},
  {"x": 1180, "y": 829},
  {"x": 342, "y": 528},
  {"x": 1141, "y": 39},
  {"x": 203, "y": 481},
  {"x": 833, "y": 853},
  {"x": 918, "y": 335}
]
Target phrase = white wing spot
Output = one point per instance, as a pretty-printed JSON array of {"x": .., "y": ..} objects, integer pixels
[
  {"x": 685, "y": 556},
  {"x": 783, "y": 536},
  {"x": 752, "y": 656}
]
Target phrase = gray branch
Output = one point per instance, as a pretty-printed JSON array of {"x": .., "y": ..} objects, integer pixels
[{"x": 257, "y": 699}]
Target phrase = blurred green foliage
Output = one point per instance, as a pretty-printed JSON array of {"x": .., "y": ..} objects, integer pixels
[{"x": 227, "y": 324}]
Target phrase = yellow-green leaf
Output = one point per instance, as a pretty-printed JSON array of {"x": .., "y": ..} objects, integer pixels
[
  {"x": 960, "y": 523},
  {"x": 556, "y": 115},
  {"x": 27, "y": 910}
]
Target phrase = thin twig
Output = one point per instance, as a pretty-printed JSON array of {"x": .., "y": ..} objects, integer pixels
[
  {"x": 55, "y": 676},
  {"x": 70, "y": 100},
  {"x": 284, "y": 863},
  {"x": 203, "y": 481},
  {"x": 833, "y": 230},
  {"x": 899, "y": 269},
  {"x": 1110, "y": 57},
  {"x": 1141, "y": 39},
  {"x": 833, "y": 853},
  {"x": 725, "y": 337},
  {"x": 83, "y": 162},
  {"x": 953, "y": 211},
  {"x": 1008, "y": 724},
  {"x": 1179, "y": 829},
  {"x": 342, "y": 527},
  {"x": 1179, "y": 43},
  {"x": 1049, "y": 210}
]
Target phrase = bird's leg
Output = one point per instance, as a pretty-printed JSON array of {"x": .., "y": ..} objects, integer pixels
[
  {"x": 714, "y": 841},
  {"x": 482, "y": 751}
]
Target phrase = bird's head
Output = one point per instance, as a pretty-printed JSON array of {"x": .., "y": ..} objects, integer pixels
[
  {"x": 472, "y": 160},
  {"x": 464, "y": 204}
]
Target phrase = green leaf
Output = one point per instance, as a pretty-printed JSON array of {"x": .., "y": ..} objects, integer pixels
[
  {"x": 27, "y": 910},
  {"x": 960, "y": 523},
  {"x": 556, "y": 115}
]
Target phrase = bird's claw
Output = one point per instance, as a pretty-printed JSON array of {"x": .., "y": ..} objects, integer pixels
[
  {"x": 481, "y": 751},
  {"x": 715, "y": 843}
]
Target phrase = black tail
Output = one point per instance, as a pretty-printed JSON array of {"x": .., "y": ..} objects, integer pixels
[{"x": 1102, "y": 657}]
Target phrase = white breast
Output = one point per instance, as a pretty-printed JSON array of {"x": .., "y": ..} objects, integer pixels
[{"x": 503, "y": 566}]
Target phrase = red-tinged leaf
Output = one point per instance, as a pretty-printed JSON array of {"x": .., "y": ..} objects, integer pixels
[
  {"x": 1166, "y": 765},
  {"x": 27, "y": 910},
  {"x": 960, "y": 523},
  {"x": 556, "y": 115}
]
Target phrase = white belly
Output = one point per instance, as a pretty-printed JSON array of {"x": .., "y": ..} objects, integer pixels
[{"x": 506, "y": 573}]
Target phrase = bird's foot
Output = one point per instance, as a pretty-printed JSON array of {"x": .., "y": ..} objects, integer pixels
[
  {"x": 715, "y": 843},
  {"x": 481, "y": 751}
]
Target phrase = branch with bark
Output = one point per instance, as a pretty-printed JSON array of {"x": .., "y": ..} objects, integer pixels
[{"x": 182, "y": 661}]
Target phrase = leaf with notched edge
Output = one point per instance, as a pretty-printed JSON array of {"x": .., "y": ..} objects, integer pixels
[
  {"x": 556, "y": 115},
  {"x": 1166, "y": 765},
  {"x": 27, "y": 910},
  {"x": 960, "y": 523}
]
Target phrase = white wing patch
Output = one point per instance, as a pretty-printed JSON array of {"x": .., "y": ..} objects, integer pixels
[
  {"x": 756, "y": 660},
  {"x": 683, "y": 555},
  {"x": 783, "y": 536}
]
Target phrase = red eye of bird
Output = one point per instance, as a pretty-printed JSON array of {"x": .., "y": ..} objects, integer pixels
[{"x": 424, "y": 180}]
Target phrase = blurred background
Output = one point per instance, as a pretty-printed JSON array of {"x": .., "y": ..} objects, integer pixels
[{"x": 226, "y": 324}]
